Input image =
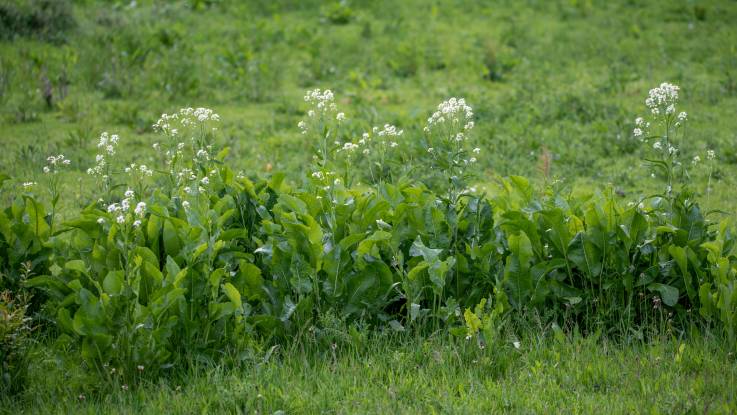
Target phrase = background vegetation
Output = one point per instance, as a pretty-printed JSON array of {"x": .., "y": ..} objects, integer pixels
[{"x": 555, "y": 88}]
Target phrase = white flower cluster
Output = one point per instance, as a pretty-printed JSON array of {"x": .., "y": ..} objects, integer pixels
[
  {"x": 323, "y": 175},
  {"x": 28, "y": 185},
  {"x": 322, "y": 100},
  {"x": 454, "y": 110},
  {"x": 142, "y": 169},
  {"x": 662, "y": 104},
  {"x": 349, "y": 147},
  {"x": 55, "y": 164},
  {"x": 107, "y": 146},
  {"x": 641, "y": 128},
  {"x": 120, "y": 210},
  {"x": 323, "y": 105},
  {"x": 185, "y": 117},
  {"x": 388, "y": 131},
  {"x": 663, "y": 99}
]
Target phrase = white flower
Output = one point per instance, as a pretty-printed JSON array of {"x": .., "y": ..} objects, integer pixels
[
  {"x": 657, "y": 145},
  {"x": 662, "y": 98},
  {"x": 140, "y": 208},
  {"x": 476, "y": 150},
  {"x": 145, "y": 170},
  {"x": 454, "y": 110},
  {"x": 205, "y": 180},
  {"x": 340, "y": 116},
  {"x": 637, "y": 132},
  {"x": 430, "y": 149},
  {"x": 27, "y": 185},
  {"x": 185, "y": 204},
  {"x": 350, "y": 147},
  {"x": 55, "y": 163},
  {"x": 136, "y": 223},
  {"x": 120, "y": 219},
  {"x": 388, "y": 131},
  {"x": 472, "y": 160},
  {"x": 129, "y": 193},
  {"x": 682, "y": 116},
  {"x": 101, "y": 220},
  {"x": 696, "y": 160},
  {"x": 112, "y": 208},
  {"x": 710, "y": 155}
]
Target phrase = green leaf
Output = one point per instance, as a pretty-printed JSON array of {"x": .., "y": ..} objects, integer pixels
[
  {"x": 419, "y": 249},
  {"x": 76, "y": 265},
  {"x": 113, "y": 282},
  {"x": 668, "y": 294},
  {"x": 172, "y": 244},
  {"x": 396, "y": 326},
  {"x": 680, "y": 256},
  {"x": 233, "y": 295},
  {"x": 417, "y": 269}
]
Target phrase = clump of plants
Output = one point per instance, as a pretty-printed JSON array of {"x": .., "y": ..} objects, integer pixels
[
  {"x": 46, "y": 19},
  {"x": 188, "y": 261},
  {"x": 15, "y": 341}
]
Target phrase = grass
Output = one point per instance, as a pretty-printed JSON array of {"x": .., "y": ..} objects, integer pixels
[
  {"x": 565, "y": 78},
  {"x": 559, "y": 78},
  {"x": 409, "y": 374}
]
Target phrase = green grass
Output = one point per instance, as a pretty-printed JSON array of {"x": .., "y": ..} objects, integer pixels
[
  {"x": 430, "y": 375},
  {"x": 567, "y": 77}
]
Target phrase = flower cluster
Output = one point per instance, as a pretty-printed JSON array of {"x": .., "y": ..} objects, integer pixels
[
  {"x": 641, "y": 128},
  {"x": 387, "y": 137},
  {"x": 322, "y": 100},
  {"x": 661, "y": 102},
  {"x": 107, "y": 147},
  {"x": 185, "y": 117},
  {"x": 663, "y": 99},
  {"x": 322, "y": 106},
  {"x": 54, "y": 164},
  {"x": 142, "y": 169},
  {"x": 121, "y": 210},
  {"x": 454, "y": 111}
]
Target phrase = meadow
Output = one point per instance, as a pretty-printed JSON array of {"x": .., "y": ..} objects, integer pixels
[{"x": 368, "y": 206}]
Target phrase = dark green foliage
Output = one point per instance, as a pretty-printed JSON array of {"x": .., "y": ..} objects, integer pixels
[
  {"x": 15, "y": 342},
  {"x": 44, "y": 19}
]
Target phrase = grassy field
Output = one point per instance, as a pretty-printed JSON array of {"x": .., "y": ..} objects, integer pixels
[
  {"x": 555, "y": 87},
  {"x": 430, "y": 375},
  {"x": 559, "y": 78}
]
